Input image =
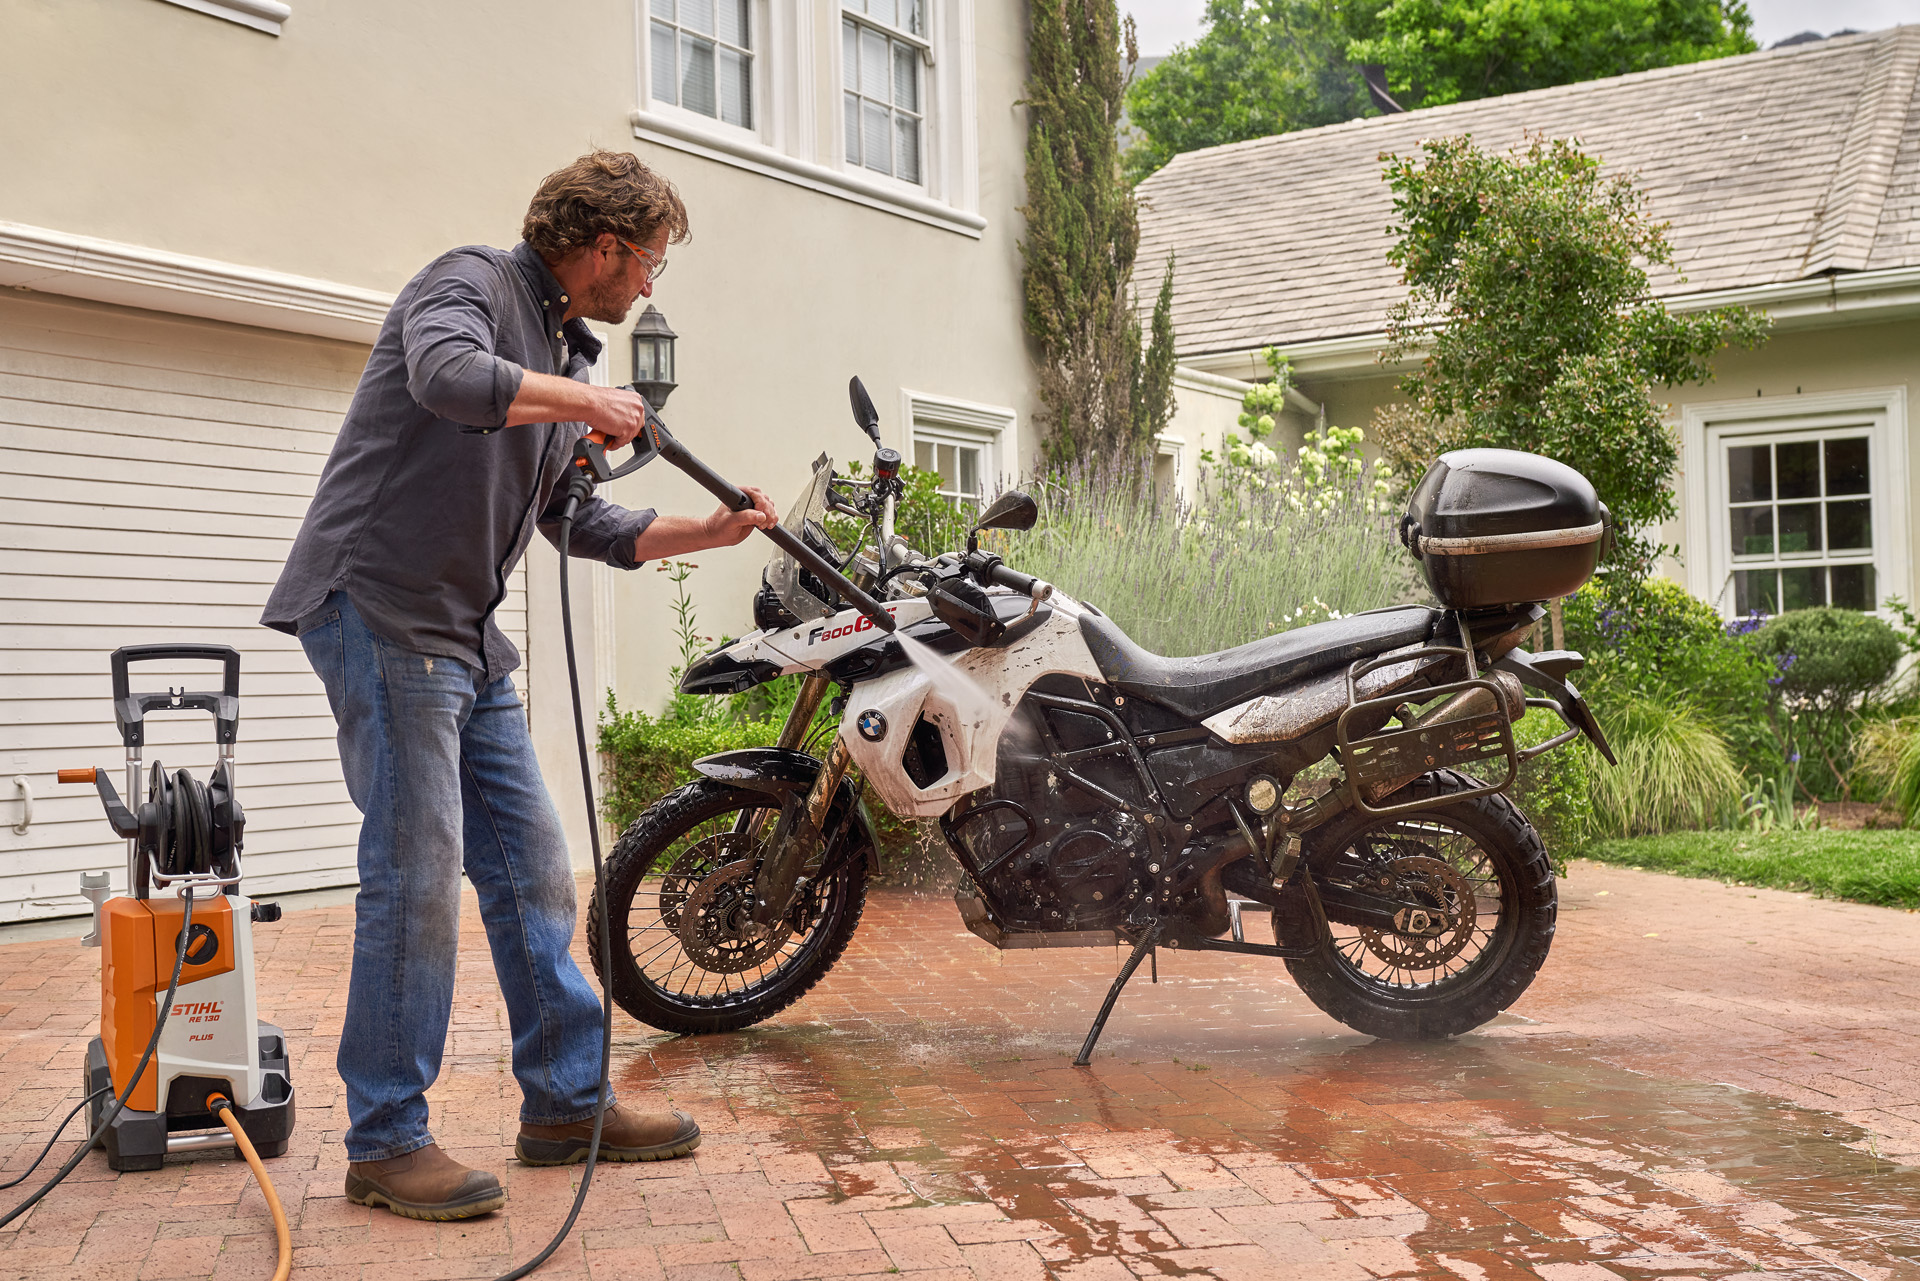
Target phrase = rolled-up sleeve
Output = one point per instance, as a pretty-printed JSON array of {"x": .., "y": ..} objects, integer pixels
[
  {"x": 602, "y": 531},
  {"x": 449, "y": 336}
]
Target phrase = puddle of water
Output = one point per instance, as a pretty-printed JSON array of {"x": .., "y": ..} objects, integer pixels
[{"x": 1528, "y": 1152}]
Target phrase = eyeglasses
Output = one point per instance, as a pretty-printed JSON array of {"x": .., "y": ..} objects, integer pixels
[{"x": 656, "y": 267}]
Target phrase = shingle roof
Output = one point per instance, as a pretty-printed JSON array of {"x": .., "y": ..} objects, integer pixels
[{"x": 1771, "y": 167}]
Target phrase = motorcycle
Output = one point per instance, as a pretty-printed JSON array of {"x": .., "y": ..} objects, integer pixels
[{"x": 1346, "y": 780}]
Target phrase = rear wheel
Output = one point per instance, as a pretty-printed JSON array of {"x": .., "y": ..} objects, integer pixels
[
  {"x": 686, "y": 956},
  {"x": 1480, "y": 931}
]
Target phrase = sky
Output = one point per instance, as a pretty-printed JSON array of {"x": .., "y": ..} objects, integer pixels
[{"x": 1165, "y": 23}]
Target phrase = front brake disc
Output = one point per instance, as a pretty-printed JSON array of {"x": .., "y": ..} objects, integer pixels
[
  {"x": 716, "y": 926},
  {"x": 694, "y": 865}
]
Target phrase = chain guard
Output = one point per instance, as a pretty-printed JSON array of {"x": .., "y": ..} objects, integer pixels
[
  {"x": 715, "y": 923},
  {"x": 1426, "y": 944}
]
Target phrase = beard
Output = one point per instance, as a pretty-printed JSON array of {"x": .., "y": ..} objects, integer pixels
[{"x": 608, "y": 301}]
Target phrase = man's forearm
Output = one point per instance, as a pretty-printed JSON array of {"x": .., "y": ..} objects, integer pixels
[
  {"x": 669, "y": 536},
  {"x": 548, "y": 398}
]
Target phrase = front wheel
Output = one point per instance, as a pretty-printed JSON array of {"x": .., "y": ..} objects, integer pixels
[
  {"x": 686, "y": 954},
  {"x": 1479, "y": 922}
]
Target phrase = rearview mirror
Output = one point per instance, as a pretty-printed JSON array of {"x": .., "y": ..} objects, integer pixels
[
  {"x": 1012, "y": 510},
  {"x": 863, "y": 411}
]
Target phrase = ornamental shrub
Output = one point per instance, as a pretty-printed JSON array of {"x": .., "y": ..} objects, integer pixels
[{"x": 1826, "y": 663}]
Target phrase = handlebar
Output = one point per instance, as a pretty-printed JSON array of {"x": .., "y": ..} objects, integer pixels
[{"x": 987, "y": 568}]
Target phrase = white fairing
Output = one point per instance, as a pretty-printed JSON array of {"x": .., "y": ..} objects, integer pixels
[{"x": 970, "y": 735}]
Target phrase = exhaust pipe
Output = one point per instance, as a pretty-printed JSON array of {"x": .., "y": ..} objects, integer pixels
[{"x": 1465, "y": 706}]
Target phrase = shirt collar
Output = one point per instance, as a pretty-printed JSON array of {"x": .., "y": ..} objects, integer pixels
[{"x": 554, "y": 299}]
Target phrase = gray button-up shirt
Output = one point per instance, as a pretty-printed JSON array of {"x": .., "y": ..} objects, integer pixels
[{"x": 419, "y": 517}]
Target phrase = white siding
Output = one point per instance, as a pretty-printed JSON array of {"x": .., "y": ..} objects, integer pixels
[{"x": 153, "y": 472}]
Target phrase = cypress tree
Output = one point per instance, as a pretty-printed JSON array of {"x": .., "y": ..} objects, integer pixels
[{"x": 1101, "y": 393}]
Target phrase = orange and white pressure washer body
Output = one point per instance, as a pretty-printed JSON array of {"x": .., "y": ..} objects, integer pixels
[{"x": 214, "y": 1041}]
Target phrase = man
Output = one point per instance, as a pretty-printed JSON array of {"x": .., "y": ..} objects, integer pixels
[{"x": 453, "y": 451}]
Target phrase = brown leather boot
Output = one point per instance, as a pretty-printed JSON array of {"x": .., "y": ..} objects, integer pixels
[
  {"x": 424, "y": 1184},
  {"x": 626, "y": 1136}
]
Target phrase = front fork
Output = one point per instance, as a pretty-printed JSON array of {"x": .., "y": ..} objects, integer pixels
[{"x": 801, "y": 823}]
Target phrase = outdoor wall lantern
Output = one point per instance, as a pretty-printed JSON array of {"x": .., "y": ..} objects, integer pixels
[{"x": 653, "y": 356}]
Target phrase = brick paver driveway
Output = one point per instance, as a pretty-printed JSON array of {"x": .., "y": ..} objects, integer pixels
[{"x": 1705, "y": 1081}]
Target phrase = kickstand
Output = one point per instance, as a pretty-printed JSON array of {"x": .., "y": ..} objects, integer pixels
[{"x": 1140, "y": 949}]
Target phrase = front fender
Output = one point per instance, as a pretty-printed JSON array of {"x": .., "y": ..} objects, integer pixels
[{"x": 782, "y": 772}]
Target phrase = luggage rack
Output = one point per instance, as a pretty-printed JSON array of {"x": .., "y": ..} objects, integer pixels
[{"x": 1459, "y": 731}]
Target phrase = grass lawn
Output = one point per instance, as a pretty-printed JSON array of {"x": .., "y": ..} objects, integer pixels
[{"x": 1868, "y": 866}]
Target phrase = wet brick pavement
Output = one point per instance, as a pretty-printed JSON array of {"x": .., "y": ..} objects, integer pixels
[{"x": 1706, "y": 1081}]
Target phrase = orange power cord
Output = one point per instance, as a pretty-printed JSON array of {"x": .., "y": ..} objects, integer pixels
[{"x": 220, "y": 1106}]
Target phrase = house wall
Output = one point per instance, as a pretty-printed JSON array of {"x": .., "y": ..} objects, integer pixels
[{"x": 368, "y": 138}]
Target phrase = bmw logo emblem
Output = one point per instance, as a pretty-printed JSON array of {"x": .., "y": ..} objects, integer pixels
[{"x": 872, "y": 725}]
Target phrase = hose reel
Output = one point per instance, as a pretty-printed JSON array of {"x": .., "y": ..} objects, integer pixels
[{"x": 190, "y": 828}]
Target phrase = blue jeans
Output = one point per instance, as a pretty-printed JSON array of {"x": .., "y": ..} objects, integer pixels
[{"x": 442, "y": 768}]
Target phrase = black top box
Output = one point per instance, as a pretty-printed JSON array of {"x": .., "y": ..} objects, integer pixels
[{"x": 1497, "y": 527}]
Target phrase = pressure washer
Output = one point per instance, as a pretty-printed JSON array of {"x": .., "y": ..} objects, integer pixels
[{"x": 205, "y": 1045}]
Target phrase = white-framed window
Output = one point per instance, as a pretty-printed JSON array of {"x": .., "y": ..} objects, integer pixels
[
  {"x": 1169, "y": 463},
  {"x": 883, "y": 55},
  {"x": 700, "y": 57},
  {"x": 971, "y": 446},
  {"x": 1801, "y": 503}
]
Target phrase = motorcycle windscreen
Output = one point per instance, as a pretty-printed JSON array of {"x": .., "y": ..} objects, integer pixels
[{"x": 783, "y": 572}]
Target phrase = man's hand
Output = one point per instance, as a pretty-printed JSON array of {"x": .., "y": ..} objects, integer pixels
[
  {"x": 729, "y": 528},
  {"x": 614, "y": 412},
  {"x": 670, "y": 536}
]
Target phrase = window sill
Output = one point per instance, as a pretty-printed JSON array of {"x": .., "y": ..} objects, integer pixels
[
  {"x": 711, "y": 143},
  {"x": 261, "y": 15}
]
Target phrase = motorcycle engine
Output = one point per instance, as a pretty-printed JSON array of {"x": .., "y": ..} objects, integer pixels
[{"x": 1047, "y": 855}]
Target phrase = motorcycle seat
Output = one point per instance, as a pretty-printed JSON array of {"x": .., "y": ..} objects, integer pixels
[{"x": 1198, "y": 687}]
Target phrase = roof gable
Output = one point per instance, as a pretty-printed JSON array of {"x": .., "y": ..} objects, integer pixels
[{"x": 1770, "y": 167}]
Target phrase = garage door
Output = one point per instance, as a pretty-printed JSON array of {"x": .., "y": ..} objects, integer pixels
[{"x": 153, "y": 472}]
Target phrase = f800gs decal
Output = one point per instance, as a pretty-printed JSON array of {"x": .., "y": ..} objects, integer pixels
[{"x": 860, "y": 624}]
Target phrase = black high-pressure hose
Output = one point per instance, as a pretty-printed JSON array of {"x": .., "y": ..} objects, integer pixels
[
  {"x": 159, "y": 1023},
  {"x": 578, "y": 488}
]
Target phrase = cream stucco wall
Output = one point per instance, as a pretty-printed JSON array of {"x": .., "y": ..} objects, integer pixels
[{"x": 369, "y": 137}]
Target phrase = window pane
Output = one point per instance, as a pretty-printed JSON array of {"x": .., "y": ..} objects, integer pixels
[
  {"x": 731, "y": 22},
  {"x": 873, "y": 64},
  {"x": 1803, "y": 588},
  {"x": 697, "y": 15},
  {"x": 666, "y": 81},
  {"x": 949, "y": 468},
  {"x": 906, "y": 160},
  {"x": 1847, "y": 466},
  {"x": 1853, "y": 586},
  {"x": 661, "y": 9},
  {"x": 1850, "y": 524},
  {"x": 876, "y": 144},
  {"x": 1799, "y": 469},
  {"x": 1749, "y": 473},
  {"x": 850, "y": 53},
  {"x": 923, "y": 455},
  {"x": 1799, "y": 527},
  {"x": 1755, "y": 589},
  {"x": 969, "y": 471},
  {"x": 735, "y": 106},
  {"x": 906, "y": 77},
  {"x": 1752, "y": 531},
  {"x": 883, "y": 11},
  {"x": 914, "y": 13},
  {"x": 696, "y": 75},
  {"x": 853, "y": 135}
]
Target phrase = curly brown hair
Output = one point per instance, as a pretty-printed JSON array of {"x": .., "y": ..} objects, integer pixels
[{"x": 602, "y": 191}]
